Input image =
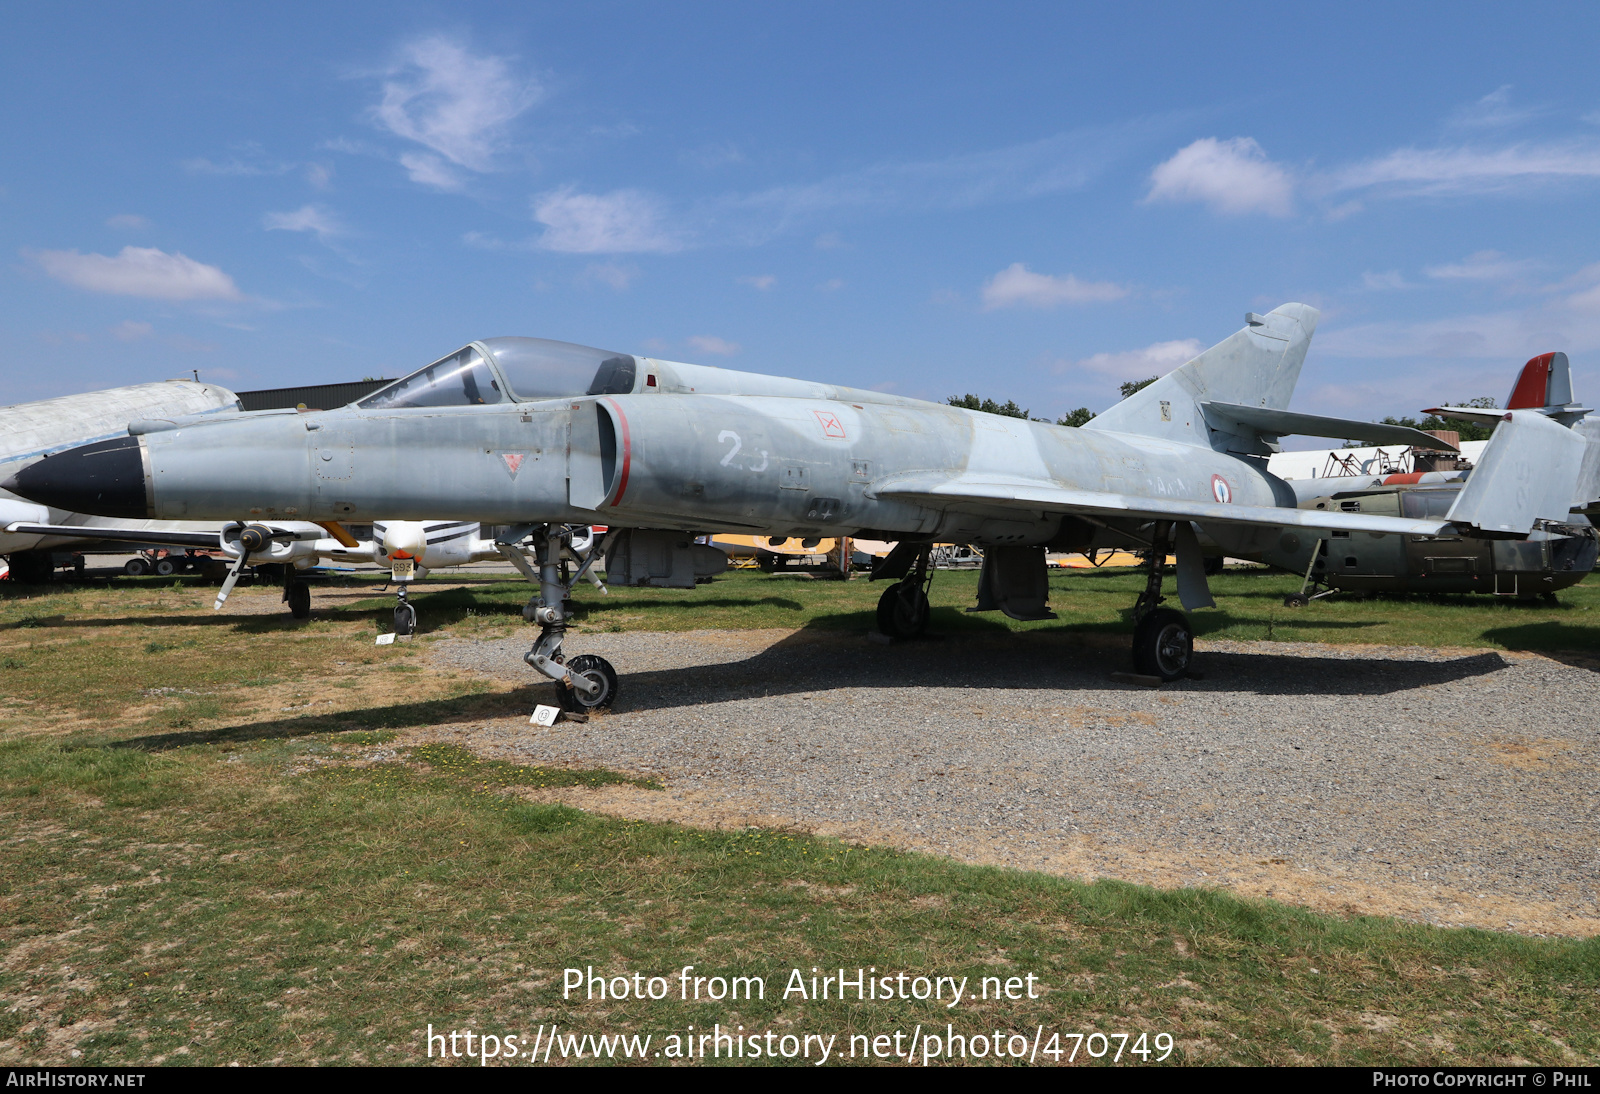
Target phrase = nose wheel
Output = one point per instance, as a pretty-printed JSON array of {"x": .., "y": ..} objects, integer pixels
[
  {"x": 405, "y": 619},
  {"x": 585, "y": 683},
  {"x": 297, "y": 594},
  {"x": 593, "y": 672}
]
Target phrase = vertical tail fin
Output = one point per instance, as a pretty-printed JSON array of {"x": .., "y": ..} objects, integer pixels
[
  {"x": 1545, "y": 381},
  {"x": 1258, "y": 366}
]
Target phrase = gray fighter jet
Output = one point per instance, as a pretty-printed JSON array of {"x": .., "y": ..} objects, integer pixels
[{"x": 540, "y": 435}]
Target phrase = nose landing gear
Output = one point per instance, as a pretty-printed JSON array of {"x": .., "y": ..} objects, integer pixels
[
  {"x": 587, "y": 683},
  {"x": 405, "y": 615}
]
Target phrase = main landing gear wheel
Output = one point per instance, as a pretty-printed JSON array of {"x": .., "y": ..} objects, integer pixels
[
  {"x": 1163, "y": 644},
  {"x": 1296, "y": 600},
  {"x": 297, "y": 594},
  {"x": 405, "y": 619},
  {"x": 903, "y": 610},
  {"x": 595, "y": 670}
]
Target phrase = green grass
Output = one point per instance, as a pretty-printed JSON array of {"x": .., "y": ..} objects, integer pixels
[
  {"x": 220, "y": 845},
  {"x": 318, "y": 901},
  {"x": 1091, "y": 602}
]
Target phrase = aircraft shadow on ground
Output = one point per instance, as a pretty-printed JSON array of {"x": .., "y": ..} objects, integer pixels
[
  {"x": 431, "y": 712},
  {"x": 1556, "y": 639},
  {"x": 820, "y": 659}
]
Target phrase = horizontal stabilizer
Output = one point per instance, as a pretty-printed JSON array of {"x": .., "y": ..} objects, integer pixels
[
  {"x": 1529, "y": 472},
  {"x": 1229, "y": 417},
  {"x": 1467, "y": 414}
]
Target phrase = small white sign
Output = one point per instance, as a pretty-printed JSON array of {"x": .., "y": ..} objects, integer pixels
[
  {"x": 402, "y": 569},
  {"x": 385, "y": 639},
  {"x": 544, "y": 716}
]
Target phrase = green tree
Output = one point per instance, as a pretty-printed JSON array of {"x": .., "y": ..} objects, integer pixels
[
  {"x": 971, "y": 402},
  {"x": 1470, "y": 431},
  {"x": 1132, "y": 386},
  {"x": 1076, "y": 417}
]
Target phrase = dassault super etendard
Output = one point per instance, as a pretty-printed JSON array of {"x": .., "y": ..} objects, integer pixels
[{"x": 539, "y": 435}]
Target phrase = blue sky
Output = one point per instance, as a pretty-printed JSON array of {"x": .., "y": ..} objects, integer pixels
[{"x": 1024, "y": 201}]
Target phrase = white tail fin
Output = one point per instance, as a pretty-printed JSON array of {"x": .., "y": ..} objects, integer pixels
[
  {"x": 1528, "y": 472},
  {"x": 1256, "y": 367}
]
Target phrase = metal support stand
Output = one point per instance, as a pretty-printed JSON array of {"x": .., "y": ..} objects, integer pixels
[
  {"x": 1308, "y": 586},
  {"x": 1160, "y": 548}
]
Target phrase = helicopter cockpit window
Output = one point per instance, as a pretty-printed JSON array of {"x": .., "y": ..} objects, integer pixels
[
  {"x": 1427, "y": 504},
  {"x": 462, "y": 379},
  {"x": 539, "y": 368}
]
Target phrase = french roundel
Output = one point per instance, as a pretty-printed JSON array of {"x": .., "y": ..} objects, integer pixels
[{"x": 1220, "y": 489}]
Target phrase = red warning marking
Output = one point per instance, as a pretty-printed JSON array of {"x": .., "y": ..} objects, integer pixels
[
  {"x": 1533, "y": 384},
  {"x": 830, "y": 424},
  {"x": 513, "y": 462}
]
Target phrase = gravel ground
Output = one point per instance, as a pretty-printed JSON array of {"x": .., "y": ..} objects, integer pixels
[{"x": 1449, "y": 786}]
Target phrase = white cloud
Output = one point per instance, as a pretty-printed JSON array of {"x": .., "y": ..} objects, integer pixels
[
  {"x": 1382, "y": 282},
  {"x": 444, "y": 97},
  {"x": 829, "y": 241},
  {"x": 1232, "y": 176},
  {"x": 319, "y": 175},
  {"x": 1154, "y": 360},
  {"x": 1481, "y": 266},
  {"x": 707, "y": 343},
  {"x": 131, "y": 222},
  {"x": 140, "y": 271},
  {"x": 833, "y": 284},
  {"x": 711, "y": 156},
  {"x": 131, "y": 330},
  {"x": 251, "y": 159},
  {"x": 307, "y": 218},
  {"x": 430, "y": 170},
  {"x": 1016, "y": 284},
  {"x": 623, "y": 221},
  {"x": 1437, "y": 171},
  {"x": 1568, "y": 319},
  {"x": 608, "y": 273},
  {"x": 1015, "y": 172},
  {"x": 1492, "y": 111},
  {"x": 761, "y": 281}
]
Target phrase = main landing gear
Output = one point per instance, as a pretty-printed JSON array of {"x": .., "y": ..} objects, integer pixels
[
  {"x": 1163, "y": 645},
  {"x": 586, "y": 683},
  {"x": 903, "y": 608}
]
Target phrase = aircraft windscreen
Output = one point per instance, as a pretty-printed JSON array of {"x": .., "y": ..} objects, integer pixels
[
  {"x": 538, "y": 368},
  {"x": 462, "y": 379}
]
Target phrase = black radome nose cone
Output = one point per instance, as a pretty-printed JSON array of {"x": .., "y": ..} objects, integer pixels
[{"x": 105, "y": 478}]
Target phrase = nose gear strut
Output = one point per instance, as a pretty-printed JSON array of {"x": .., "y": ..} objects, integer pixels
[{"x": 587, "y": 683}]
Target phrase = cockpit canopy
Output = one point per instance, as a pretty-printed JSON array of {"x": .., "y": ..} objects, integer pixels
[{"x": 519, "y": 369}]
